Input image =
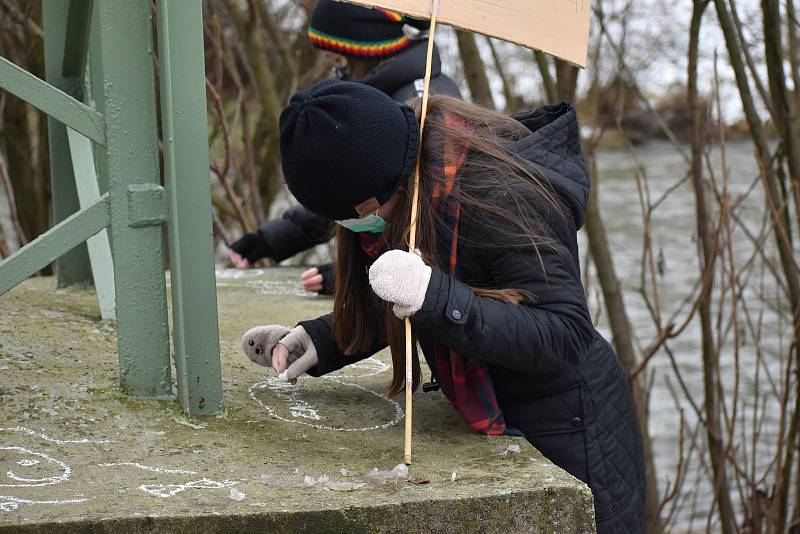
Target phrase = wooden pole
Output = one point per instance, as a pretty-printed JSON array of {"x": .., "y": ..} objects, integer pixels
[{"x": 412, "y": 241}]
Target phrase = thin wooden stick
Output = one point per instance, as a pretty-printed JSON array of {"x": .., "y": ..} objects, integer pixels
[{"x": 412, "y": 240}]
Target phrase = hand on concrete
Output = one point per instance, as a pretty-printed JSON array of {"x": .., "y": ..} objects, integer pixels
[
  {"x": 312, "y": 280},
  {"x": 237, "y": 260},
  {"x": 294, "y": 355},
  {"x": 248, "y": 249},
  {"x": 402, "y": 278}
]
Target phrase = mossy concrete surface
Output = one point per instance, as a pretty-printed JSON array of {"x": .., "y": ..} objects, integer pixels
[{"x": 77, "y": 455}]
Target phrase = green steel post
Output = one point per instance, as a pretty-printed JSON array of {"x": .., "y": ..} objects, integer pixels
[
  {"x": 73, "y": 267},
  {"x": 55, "y": 102},
  {"x": 93, "y": 92},
  {"x": 132, "y": 159},
  {"x": 185, "y": 130},
  {"x": 80, "y": 149},
  {"x": 76, "y": 41}
]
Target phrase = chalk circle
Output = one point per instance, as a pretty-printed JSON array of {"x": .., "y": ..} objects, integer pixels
[
  {"x": 36, "y": 464},
  {"x": 302, "y": 412},
  {"x": 369, "y": 367}
]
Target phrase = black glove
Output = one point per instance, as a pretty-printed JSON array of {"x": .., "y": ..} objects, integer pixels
[
  {"x": 252, "y": 247},
  {"x": 327, "y": 279}
]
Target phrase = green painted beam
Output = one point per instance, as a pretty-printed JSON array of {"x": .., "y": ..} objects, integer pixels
[
  {"x": 73, "y": 267},
  {"x": 185, "y": 130},
  {"x": 99, "y": 247},
  {"x": 66, "y": 235},
  {"x": 76, "y": 40},
  {"x": 54, "y": 102},
  {"x": 93, "y": 90},
  {"x": 131, "y": 159}
]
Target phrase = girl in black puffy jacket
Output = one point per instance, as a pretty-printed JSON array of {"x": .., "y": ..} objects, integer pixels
[{"x": 494, "y": 292}]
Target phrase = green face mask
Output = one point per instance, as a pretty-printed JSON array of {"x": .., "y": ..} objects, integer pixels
[{"x": 372, "y": 223}]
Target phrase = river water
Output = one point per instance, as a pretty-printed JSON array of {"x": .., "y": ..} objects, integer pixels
[
  {"x": 674, "y": 241},
  {"x": 675, "y": 244}
]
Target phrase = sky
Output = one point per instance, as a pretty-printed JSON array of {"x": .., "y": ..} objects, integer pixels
[{"x": 656, "y": 45}]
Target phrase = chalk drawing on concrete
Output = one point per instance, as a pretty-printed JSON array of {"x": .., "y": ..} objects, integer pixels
[
  {"x": 36, "y": 469},
  {"x": 170, "y": 490},
  {"x": 33, "y": 459},
  {"x": 41, "y": 435},
  {"x": 301, "y": 409},
  {"x": 9, "y": 503},
  {"x": 297, "y": 406},
  {"x": 371, "y": 366},
  {"x": 151, "y": 468}
]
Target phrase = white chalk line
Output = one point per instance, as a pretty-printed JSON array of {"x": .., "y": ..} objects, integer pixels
[
  {"x": 399, "y": 414},
  {"x": 170, "y": 490},
  {"x": 372, "y": 363},
  {"x": 297, "y": 406},
  {"x": 9, "y": 503},
  {"x": 34, "y": 482},
  {"x": 154, "y": 469},
  {"x": 28, "y": 431}
]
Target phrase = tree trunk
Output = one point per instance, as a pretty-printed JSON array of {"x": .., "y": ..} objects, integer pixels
[
  {"x": 779, "y": 507},
  {"x": 474, "y": 69},
  {"x": 709, "y": 351},
  {"x": 782, "y": 112},
  {"x": 547, "y": 78},
  {"x": 32, "y": 191},
  {"x": 512, "y": 100}
]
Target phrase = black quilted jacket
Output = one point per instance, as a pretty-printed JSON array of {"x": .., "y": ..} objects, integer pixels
[
  {"x": 555, "y": 376},
  {"x": 300, "y": 229}
]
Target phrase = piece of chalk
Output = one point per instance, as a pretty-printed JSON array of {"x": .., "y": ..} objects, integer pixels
[{"x": 284, "y": 376}]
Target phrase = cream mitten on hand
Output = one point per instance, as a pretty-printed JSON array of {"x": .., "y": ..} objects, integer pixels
[
  {"x": 402, "y": 278},
  {"x": 302, "y": 353}
]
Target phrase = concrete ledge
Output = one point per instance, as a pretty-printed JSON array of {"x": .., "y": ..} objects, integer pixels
[{"x": 78, "y": 456}]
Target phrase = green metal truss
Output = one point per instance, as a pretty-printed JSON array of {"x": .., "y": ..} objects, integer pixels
[{"x": 100, "y": 98}]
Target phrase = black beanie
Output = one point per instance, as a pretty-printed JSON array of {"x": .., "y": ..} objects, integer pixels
[
  {"x": 346, "y": 147},
  {"x": 358, "y": 31}
]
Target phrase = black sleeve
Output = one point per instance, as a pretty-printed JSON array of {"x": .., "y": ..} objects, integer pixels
[
  {"x": 299, "y": 229},
  {"x": 554, "y": 331},
  {"x": 328, "y": 272},
  {"x": 330, "y": 357}
]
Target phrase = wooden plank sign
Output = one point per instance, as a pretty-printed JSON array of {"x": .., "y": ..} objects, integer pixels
[{"x": 557, "y": 27}]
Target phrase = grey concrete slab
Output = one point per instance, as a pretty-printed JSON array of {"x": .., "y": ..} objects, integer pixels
[{"x": 78, "y": 456}]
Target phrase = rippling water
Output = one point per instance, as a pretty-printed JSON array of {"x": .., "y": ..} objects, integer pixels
[{"x": 674, "y": 240}]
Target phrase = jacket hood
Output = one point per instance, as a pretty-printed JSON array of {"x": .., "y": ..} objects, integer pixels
[
  {"x": 403, "y": 69},
  {"x": 554, "y": 147}
]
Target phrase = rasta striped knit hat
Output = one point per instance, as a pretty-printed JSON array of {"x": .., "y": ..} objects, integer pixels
[{"x": 357, "y": 31}]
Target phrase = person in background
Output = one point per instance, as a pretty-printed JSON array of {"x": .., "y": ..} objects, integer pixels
[
  {"x": 376, "y": 47},
  {"x": 493, "y": 291}
]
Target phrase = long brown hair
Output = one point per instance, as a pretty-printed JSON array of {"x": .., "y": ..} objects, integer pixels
[{"x": 489, "y": 171}]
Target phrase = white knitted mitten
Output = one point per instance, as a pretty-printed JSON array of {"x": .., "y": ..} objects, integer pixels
[{"x": 402, "y": 278}]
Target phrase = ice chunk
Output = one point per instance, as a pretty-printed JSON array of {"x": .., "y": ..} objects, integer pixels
[
  {"x": 236, "y": 495},
  {"x": 399, "y": 473}
]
